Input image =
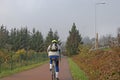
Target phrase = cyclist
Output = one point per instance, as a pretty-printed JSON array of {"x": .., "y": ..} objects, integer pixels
[{"x": 54, "y": 52}]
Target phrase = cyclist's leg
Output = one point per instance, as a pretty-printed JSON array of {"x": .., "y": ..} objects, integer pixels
[
  {"x": 51, "y": 64},
  {"x": 57, "y": 67}
]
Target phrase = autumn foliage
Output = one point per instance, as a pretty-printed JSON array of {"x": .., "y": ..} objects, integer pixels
[{"x": 99, "y": 64}]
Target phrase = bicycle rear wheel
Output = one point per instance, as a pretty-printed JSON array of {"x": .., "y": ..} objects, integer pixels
[{"x": 53, "y": 71}]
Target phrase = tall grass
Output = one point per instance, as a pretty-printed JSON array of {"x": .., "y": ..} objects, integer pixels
[
  {"x": 77, "y": 73},
  {"x": 100, "y": 64}
]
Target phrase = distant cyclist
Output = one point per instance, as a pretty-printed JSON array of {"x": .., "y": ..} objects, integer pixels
[{"x": 54, "y": 52}]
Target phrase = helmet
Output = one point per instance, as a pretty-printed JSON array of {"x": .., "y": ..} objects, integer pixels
[{"x": 54, "y": 41}]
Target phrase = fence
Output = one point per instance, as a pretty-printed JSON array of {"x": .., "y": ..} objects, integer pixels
[{"x": 25, "y": 60}]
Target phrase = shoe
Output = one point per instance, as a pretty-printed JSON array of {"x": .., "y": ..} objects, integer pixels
[
  {"x": 57, "y": 78},
  {"x": 50, "y": 69}
]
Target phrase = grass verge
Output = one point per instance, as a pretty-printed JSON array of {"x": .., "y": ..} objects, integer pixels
[
  {"x": 77, "y": 73},
  {"x": 20, "y": 69}
]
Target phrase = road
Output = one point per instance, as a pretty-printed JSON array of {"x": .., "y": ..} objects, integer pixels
[{"x": 43, "y": 73}]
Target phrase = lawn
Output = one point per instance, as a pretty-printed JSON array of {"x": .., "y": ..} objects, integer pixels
[{"x": 77, "y": 73}]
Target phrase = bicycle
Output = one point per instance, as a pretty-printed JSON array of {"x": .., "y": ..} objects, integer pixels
[{"x": 53, "y": 70}]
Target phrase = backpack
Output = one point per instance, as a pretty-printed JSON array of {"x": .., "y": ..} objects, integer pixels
[{"x": 54, "y": 47}]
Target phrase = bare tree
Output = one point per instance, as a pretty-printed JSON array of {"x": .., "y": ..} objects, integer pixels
[{"x": 118, "y": 36}]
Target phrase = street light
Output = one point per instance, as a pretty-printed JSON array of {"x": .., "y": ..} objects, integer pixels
[{"x": 96, "y": 34}]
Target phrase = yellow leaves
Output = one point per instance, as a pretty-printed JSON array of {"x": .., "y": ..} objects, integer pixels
[
  {"x": 21, "y": 51},
  {"x": 19, "y": 54}
]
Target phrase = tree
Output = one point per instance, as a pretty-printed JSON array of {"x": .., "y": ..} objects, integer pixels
[
  {"x": 49, "y": 38},
  {"x": 73, "y": 41},
  {"x": 23, "y": 38},
  {"x": 104, "y": 41},
  {"x": 13, "y": 38},
  {"x": 56, "y": 37},
  {"x": 87, "y": 41},
  {"x": 37, "y": 41},
  {"x": 118, "y": 36},
  {"x": 19, "y": 39},
  {"x": 3, "y": 36}
]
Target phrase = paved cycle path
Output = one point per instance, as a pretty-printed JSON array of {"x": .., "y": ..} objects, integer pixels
[{"x": 43, "y": 73}]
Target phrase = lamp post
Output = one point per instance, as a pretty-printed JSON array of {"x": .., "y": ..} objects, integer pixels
[{"x": 96, "y": 33}]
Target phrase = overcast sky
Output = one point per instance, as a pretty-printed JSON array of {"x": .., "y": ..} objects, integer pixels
[{"x": 60, "y": 15}]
